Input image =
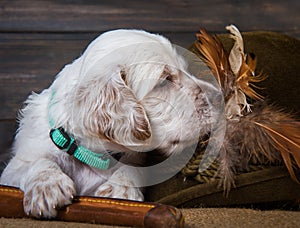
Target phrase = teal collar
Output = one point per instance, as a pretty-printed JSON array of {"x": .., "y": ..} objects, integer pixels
[{"x": 67, "y": 143}]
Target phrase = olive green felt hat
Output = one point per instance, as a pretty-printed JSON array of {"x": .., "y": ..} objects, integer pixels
[{"x": 278, "y": 56}]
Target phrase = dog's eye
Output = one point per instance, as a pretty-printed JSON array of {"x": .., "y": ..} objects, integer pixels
[
  {"x": 167, "y": 80},
  {"x": 163, "y": 83}
]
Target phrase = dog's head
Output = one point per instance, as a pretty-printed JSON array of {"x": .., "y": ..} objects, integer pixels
[{"x": 133, "y": 90}]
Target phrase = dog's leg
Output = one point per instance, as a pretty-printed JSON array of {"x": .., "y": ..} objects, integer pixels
[
  {"x": 45, "y": 187},
  {"x": 121, "y": 185}
]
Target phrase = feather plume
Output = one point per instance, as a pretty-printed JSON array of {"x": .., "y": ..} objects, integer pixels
[{"x": 264, "y": 135}]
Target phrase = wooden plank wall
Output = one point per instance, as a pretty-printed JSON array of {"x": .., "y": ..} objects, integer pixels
[{"x": 37, "y": 38}]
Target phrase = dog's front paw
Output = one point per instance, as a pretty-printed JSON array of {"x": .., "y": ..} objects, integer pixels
[
  {"x": 46, "y": 193},
  {"x": 117, "y": 191}
]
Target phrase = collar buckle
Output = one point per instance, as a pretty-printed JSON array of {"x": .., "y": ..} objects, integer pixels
[{"x": 63, "y": 141}]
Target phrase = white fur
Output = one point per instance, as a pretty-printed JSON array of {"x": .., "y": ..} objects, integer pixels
[{"x": 105, "y": 111}]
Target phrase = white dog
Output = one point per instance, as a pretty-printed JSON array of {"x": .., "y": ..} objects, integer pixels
[{"x": 129, "y": 91}]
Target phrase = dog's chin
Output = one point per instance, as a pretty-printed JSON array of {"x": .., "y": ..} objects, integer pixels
[
  {"x": 179, "y": 153},
  {"x": 173, "y": 148},
  {"x": 154, "y": 157}
]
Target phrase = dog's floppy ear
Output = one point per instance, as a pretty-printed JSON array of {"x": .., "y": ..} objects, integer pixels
[{"x": 109, "y": 109}]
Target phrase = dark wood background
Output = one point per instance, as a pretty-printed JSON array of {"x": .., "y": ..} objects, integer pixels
[{"x": 37, "y": 38}]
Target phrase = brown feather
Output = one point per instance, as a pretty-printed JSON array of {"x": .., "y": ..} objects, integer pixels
[
  {"x": 264, "y": 136},
  {"x": 251, "y": 61},
  {"x": 286, "y": 138},
  {"x": 216, "y": 58},
  {"x": 246, "y": 78},
  {"x": 269, "y": 132}
]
